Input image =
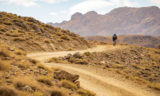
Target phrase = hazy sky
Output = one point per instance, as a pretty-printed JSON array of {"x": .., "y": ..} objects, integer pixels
[{"x": 59, "y": 10}]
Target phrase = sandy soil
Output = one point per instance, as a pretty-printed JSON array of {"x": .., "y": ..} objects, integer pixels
[{"x": 91, "y": 78}]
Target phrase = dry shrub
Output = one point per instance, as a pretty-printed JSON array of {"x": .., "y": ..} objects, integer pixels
[
  {"x": 21, "y": 82},
  {"x": 6, "y": 91},
  {"x": 56, "y": 60},
  {"x": 68, "y": 84},
  {"x": 24, "y": 64},
  {"x": 19, "y": 39},
  {"x": 78, "y": 61},
  {"x": 155, "y": 86},
  {"x": 65, "y": 37},
  {"x": 20, "y": 52},
  {"x": 33, "y": 61},
  {"x": 89, "y": 54},
  {"x": 42, "y": 66},
  {"x": 46, "y": 80},
  {"x": 58, "y": 92},
  {"x": 5, "y": 53},
  {"x": 47, "y": 41},
  {"x": 4, "y": 65},
  {"x": 38, "y": 93},
  {"x": 84, "y": 92}
]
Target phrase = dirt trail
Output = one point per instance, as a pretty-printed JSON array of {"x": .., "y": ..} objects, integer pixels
[{"x": 102, "y": 85}]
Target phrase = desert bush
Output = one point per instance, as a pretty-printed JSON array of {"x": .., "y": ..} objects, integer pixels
[
  {"x": 57, "y": 92},
  {"x": 118, "y": 66},
  {"x": 137, "y": 66},
  {"x": 4, "y": 53},
  {"x": 155, "y": 86},
  {"x": 7, "y": 23},
  {"x": 42, "y": 66},
  {"x": 24, "y": 64},
  {"x": 33, "y": 61},
  {"x": 89, "y": 54},
  {"x": 38, "y": 93},
  {"x": 84, "y": 92},
  {"x": 19, "y": 39},
  {"x": 4, "y": 65},
  {"x": 6, "y": 91},
  {"x": 3, "y": 28},
  {"x": 65, "y": 37},
  {"x": 68, "y": 84},
  {"x": 47, "y": 41},
  {"x": 45, "y": 80},
  {"x": 20, "y": 52},
  {"x": 26, "y": 81},
  {"x": 78, "y": 61},
  {"x": 56, "y": 60}
]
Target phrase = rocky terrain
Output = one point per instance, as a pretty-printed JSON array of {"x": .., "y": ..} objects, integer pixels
[
  {"x": 139, "y": 64},
  {"x": 123, "y": 21},
  {"x": 139, "y": 40},
  {"x": 31, "y": 35},
  {"x": 22, "y": 76}
]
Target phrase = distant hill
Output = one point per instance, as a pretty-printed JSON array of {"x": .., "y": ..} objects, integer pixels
[
  {"x": 139, "y": 40},
  {"x": 123, "y": 21},
  {"x": 29, "y": 34}
]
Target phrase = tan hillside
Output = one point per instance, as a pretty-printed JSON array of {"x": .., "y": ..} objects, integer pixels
[
  {"x": 138, "y": 64},
  {"x": 29, "y": 34},
  {"x": 123, "y": 21},
  {"x": 139, "y": 40},
  {"x": 22, "y": 76}
]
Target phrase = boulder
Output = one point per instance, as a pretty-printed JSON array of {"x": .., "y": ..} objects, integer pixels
[{"x": 77, "y": 55}]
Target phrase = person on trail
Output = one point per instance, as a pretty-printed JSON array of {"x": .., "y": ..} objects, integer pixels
[{"x": 114, "y": 38}]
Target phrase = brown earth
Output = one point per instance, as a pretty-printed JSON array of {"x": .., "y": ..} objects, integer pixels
[
  {"x": 102, "y": 83},
  {"x": 32, "y": 35},
  {"x": 23, "y": 76}
]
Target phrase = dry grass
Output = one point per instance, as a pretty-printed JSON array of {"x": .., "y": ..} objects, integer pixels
[
  {"x": 58, "y": 92},
  {"x": 7, "y": 91},
  {"x": 21, "y": 82},
  {"x": 4, "y": 65},
  {"x": 20, "y": 52},
  {"x": 155, "y": 86},
  {"x": 42, "y": 66},
  {"x": 45, "y": 80},
  {"x": 84, "y": 92},
  {"x": 68, "y": 84},
  {"x": 22, "y": 32},
  {"x": 56, "y": 60},
  {"x": 22, "y": 76}
]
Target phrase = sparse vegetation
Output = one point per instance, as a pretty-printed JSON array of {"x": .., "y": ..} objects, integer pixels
[
  {"x": 4, "y": 65},
  {"x": 46, "y": 80},
  {"x": 6, "y": 91},
  {"x": 84, "y": 92},
  {"x": 58, "y": 92},
  {"x": 22, "y": 76},
  {"x": 68, "y": 84},
  {"x": 24, "y": 32},
  {"x": 135, "y": 63}
]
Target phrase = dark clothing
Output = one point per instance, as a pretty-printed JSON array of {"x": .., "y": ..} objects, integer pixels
[{"x": 114, "y": 37}]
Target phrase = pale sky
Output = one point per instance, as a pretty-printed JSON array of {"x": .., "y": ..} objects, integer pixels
[{"x": 60, "y": 10}]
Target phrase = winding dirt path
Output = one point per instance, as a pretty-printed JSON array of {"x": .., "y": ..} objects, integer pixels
[{"x": 96, "y": 81}]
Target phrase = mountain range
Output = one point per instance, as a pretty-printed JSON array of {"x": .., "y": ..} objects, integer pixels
[{"x": 123, "y": 21}]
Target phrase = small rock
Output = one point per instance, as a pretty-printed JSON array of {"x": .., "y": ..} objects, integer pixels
[
  {"x": 77, "y": 55},
  {"x": 27, "y": 88}
]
